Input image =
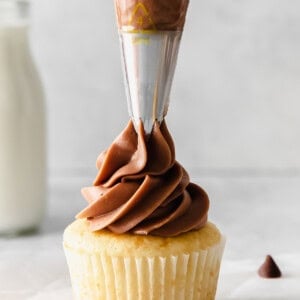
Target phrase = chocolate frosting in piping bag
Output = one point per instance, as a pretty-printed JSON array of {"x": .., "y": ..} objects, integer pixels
[
  {"x": 151, "y": 14},
  {"x": 141, "y": 188}
]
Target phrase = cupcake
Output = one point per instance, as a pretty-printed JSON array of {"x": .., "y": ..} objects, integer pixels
[{"x": 144, "y": 233}]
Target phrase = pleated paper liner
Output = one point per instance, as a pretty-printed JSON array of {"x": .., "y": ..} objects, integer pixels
[{"x": 186, "y": 276}]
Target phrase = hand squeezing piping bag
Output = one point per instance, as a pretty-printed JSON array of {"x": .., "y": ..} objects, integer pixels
[{"x": 150, "y": 33}]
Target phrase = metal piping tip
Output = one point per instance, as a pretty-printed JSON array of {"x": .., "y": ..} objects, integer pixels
[{"x": 149, "y": 61}]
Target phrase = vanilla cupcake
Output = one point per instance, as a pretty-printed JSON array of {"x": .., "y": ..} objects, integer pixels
[{"x": 144, "y": 234}]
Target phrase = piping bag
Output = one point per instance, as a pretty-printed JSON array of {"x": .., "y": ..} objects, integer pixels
[{"x": 150, "y": 33}]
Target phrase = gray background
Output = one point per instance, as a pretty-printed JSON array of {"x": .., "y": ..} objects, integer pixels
[
  {"x": 234, "y": 116},
  {"x": 235, "y": 98}
]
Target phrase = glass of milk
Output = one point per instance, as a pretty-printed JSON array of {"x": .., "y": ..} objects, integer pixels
[{"x": 22, "y": 126}]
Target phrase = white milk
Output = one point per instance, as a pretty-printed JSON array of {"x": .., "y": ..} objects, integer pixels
[{"x": 22, "y": 133}]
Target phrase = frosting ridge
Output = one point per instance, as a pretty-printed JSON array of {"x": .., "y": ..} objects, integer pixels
[{"x": 141, "y": 188}]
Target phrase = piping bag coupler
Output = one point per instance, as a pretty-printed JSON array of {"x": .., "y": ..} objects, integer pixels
[{"x": 150, "y": 33}]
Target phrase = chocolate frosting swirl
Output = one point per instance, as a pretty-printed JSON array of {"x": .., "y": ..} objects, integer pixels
[
  {"x": 141, "y": 188},
  {"x": 151, "y": 14}
]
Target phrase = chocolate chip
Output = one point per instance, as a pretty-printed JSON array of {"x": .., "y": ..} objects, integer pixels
[{"x": 269, "y": 268}]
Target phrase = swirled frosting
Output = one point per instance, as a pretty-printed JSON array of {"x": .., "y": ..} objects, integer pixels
[
  {"x": 141, "y": 188},
  {"x": 151, "y": 14}
]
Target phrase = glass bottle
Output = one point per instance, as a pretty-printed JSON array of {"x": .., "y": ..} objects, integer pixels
[{"x": 22, "y": 125}]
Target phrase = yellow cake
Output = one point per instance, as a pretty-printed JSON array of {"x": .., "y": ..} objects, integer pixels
[{"x": 104, "y": 265}]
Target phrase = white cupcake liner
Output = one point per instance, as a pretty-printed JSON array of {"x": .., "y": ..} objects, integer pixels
[{"x": 185, "y": 276}]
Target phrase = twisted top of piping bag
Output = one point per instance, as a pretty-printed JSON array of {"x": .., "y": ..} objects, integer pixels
[{"x": 151, "y": 14}]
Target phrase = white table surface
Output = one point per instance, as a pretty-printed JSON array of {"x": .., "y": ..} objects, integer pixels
[{"x": 259, "y": 216}]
